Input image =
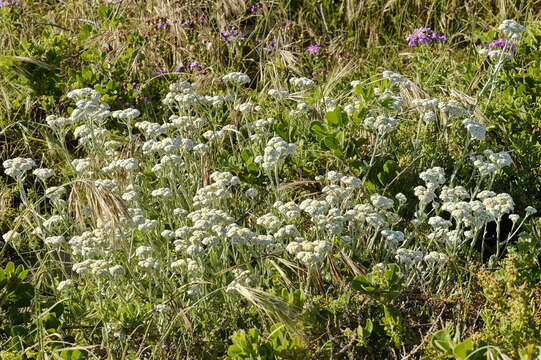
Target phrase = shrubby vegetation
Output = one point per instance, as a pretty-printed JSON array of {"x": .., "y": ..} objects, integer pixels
[{"x": 270, "y": 180}]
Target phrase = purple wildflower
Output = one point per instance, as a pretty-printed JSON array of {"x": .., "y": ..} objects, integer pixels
[
  {"x": 180, "y": 69},
  {"x": 161, "y": 72},
  {"x": 202, "y": 20},
  {"x": 313, "y": 49},
  {"x": 320, "y": 72},
  {"x": 423, "y": 35},
  {"x": 231, "y": 33},
  {"x": 10, "y": 2},
  {"x": 196, "y": 65},
  {"x": 163, "y": 26},
  {"x": 254, "y": 8},
  {"x": 501, "y": 43}
]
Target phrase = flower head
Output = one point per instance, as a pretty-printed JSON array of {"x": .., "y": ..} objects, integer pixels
[
  {"x": 423, "y": 35},
  {"x": 313, "y": 49}
]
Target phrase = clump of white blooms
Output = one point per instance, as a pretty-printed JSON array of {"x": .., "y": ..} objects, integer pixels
[
  {"x": 126, "y": 115},
  {"x": 278, "y": 94},
  {"x": 476, "y": 129},
  {"x": 43, "y": 173},
  {"x": 393, "y": 238},
  {"x": 276, "y": 151},
  {"x": 17, "y": 168},
  {"x": 11, "y": 235},
  {"x": 409, "y": 257},
  {"x": 309, "y": 252},
  {"x": 512, "y": 29},
  {"x": 395, "y": 78},
  {"x": 161, "y": 193},
  {"x": 89, "y": 107},
  {"x": 491, "y": 162},
  {"x": 453, "y": 109},
  {"x": 381, "y": 124},
  {"x": 236, "y": 78},
  {"x": 54, "y": 241},
  {"x": 381, "y": 201},
  {"x": 302, "y": 82},
  {"x": 65, "y": 285},
  {"x": 435, "y": 257}
]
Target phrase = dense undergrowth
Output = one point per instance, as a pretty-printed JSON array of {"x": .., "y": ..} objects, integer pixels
[{"x": 270, "y": 180}]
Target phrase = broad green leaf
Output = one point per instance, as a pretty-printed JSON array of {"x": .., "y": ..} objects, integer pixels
[{"x": 462, "y": 350}]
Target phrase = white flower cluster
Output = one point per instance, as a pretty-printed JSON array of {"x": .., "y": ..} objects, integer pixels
[
  {"x": 302, "y": 82},
  {"x": 130, "y": 164},
  {"x": 186, "y": 122},
  {"x": 126, "y": 115},
  {"x": 90, "y": 244},
  {"x": 278, "y": 94},
  {"x": 433, "y": 178},
  {"x": 247, "y": 107},
  {"x": 44, "y": 173},
  {"x": 161, "y": 193},
  {"x": 382, "y": 124},
  {"x": 289, "y": 209},
  {"x": 435, "y": 257},
  {"x": 351, "y": 108},
  {"x": 453, "y": 109},
  {"x": 54, "y": 241},
  {"x": 188, "y": 267},
  {"x": 146, "y": 260},
  {"x": 11, "y": 235},
  {"x": 491, "y": 162},
  {"x": 139, "y": 220},
  {"x": 269, "y": 221},
  {"x": 512, "y": 29},
  {"x": 216, "y": 191},
  {"x": 89, "y": 106},
  {"x": 309, "y": 252},
  {"x": 496, "y": 54},
  {"x": 329, "y": 103},
  {"x": 409, "y": 257},
  {"x": 90, "y": 133},
  {"x": 236, "y": 78},
  {"x": 287, "y": 231},
  {"x": 167, "y": 145},
  {"x": 17, "y": 167},
  {"x": 395, "y": 78},
  {"x": 333, "y": 222},
  {"x": 381, "y": 201},
  {"x": 476, "y": 129},
  {"x": 65, "y": 285},
  {"x": 393, "y": 238},
  {"x": 336, "y": 195},
  {"x": 57, "y": 122},
  {"x": 182, "y": 94},
  {"x": 95, "y": 267},
  {"x": 151, "y": 130},
  {"x": 275, "y": 153}
]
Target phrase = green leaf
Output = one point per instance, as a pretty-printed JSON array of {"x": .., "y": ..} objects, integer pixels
[
  {"x": 442, "y": 341},
  {"x": 332, "y": 143},
  {"x": 461, "y": 350},
  {"x": 318, "y": 129},
  {"x": 370, "y": 186},
  {"x": 336, "y": 118}
]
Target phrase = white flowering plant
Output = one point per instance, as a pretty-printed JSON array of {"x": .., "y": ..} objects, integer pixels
[{"x": 245, "y": 196}]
